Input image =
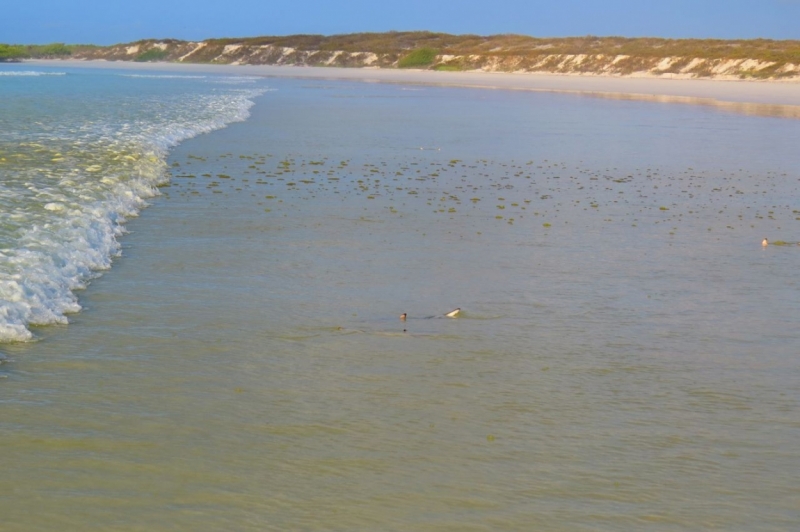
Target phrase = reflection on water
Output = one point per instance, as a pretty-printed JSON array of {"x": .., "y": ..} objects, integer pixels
[
  {"x": 745, "y": 108},
  {"x": 625, "y": 356}
]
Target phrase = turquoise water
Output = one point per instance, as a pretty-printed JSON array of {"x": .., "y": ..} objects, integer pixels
[{"x": 625, "y": 358}]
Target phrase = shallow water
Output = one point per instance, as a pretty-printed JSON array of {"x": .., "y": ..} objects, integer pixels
[
  {"x": 80, "y": 152},
  {"x": 625, "y": 357}
]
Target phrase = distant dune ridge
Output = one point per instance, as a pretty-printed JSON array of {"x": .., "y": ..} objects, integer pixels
[{"x": 608, "y": 56}]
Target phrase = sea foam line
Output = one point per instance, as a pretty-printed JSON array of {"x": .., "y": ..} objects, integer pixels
[
  {"x": 162, "y": 76},
  {"x": 29, "y": 73},
  {"x": 78, "y": 240}
]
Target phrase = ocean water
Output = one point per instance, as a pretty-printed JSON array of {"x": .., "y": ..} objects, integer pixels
[
  {"x": 625, "y": 357},
  {"x": 80, "y": 152}
]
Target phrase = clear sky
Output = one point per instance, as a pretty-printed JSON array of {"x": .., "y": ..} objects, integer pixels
[{"x": 114, "y": 21}]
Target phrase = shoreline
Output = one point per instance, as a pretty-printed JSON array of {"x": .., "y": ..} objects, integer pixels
[
  {"x": 242, "y": 365},
  {"x": 760, "y": 98}
]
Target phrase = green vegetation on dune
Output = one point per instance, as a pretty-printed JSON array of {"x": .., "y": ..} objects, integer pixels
[
  {"x": 523, "y": 45},
  {"x": 12, "y": 53},
  {"x": 153, "y": 54},
  {"x": 755, "y": 58},
  {"x": 35, "y": 51},
  {"x": 448, "y": 68},
  {"x": 421, "y": 57},
  {"x": 392, "y": 42},
  {"x": 50, "y": 50}
]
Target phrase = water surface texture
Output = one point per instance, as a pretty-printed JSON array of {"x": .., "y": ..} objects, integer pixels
[
  {"x": 79, "y": 153},
  {"x": 625, "y": 357}
]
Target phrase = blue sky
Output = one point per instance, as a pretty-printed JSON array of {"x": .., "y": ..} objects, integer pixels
[{"x": 112, "y": 21}]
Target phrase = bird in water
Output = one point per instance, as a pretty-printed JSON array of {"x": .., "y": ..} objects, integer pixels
[
  {"x": 765, "y": 242},
  {"x": 452, "y": 314}
]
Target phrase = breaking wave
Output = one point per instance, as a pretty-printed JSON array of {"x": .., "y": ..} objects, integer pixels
[
  {"x": 30, "y": 73},
  {"x": 69, "y": 185}
]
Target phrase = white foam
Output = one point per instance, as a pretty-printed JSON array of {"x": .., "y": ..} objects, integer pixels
[
  {"x": 64, "y": 213},
  {"x": 162, "y": 76},
  {"x": 29, "y": 73}
]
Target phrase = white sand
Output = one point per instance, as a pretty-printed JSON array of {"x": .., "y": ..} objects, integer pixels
[{"x": 772, "y": 98}]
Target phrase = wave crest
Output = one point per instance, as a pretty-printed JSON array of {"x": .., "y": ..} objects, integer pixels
[{"x": 69, "y": 193}]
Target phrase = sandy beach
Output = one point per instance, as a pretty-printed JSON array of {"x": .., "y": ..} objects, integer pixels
[{"x": 763, "y": 98}]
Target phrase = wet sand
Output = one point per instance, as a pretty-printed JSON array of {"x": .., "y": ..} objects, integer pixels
[{"x": 763, "y": 98}]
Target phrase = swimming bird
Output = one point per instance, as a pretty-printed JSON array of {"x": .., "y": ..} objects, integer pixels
[
  {"x": 453, "y": 313},
  {"x": 765, "y": 242},
  {"x": 403, "y": 316}
]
